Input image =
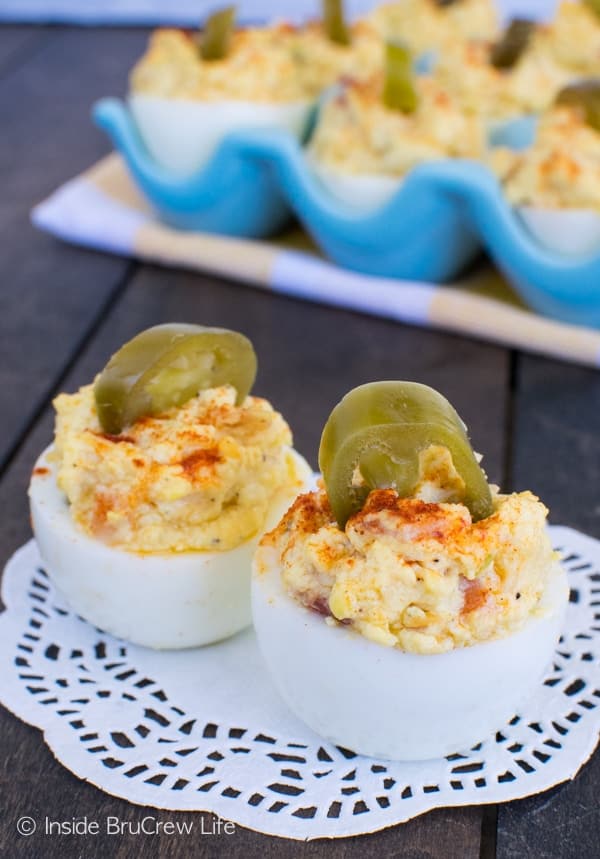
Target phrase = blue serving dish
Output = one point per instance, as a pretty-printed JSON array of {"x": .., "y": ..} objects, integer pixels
[
  {"x": 518, "y": 133},
  {"x": 257, "y": 177},
  {"x": 442, "y": 215},
  {"x": 564, "y": 287},
  {"x": 231, "y": 195},
  {"x": 419, "y": 234}
]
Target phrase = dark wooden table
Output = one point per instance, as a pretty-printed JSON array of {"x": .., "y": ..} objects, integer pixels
[{"x": 64, "y": 310}]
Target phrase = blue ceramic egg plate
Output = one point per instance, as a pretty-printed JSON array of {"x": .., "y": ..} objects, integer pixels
[
  {"x": 231, "y": 195},
  {"x": 443, "y": 213}
]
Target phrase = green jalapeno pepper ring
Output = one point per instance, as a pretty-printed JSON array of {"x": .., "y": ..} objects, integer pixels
[
  {"x": 167, "y": 365},
  {"x": 585, "y": 95},
  {"x": 216, "y": 35},
  {"x": 593, "y": 6},
  {"x": 398, "y": 90},
  {"x": 334, "y": 22},
  {"x": 506, "y": 53},
  {"x": 376, "y": 433}
]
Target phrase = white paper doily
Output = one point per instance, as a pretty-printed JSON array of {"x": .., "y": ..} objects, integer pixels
[{"x": 205, "y": 730}]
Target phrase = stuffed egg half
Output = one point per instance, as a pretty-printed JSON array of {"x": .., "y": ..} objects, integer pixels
[
  {"x": 184, "y": 106},
  {"x": 361, "y": 150},
  {"x": 415, "y": 628},
  {"x": 381, "y": 701},
  {"x": 554, "y": 185},
  {"x": 149, "y": 532}
]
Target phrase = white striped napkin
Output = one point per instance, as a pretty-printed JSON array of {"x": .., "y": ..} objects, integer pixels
[{"x": 103, "y": 210}]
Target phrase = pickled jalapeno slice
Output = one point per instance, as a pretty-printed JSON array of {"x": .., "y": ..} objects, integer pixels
[
  {"x": 166, "y": 366},
  {"x": 585, "y": 95},
  {"x": 215, "y": 38},
  {"x": 398, "y": 90},
  {"x": 593, "y": 6},
  {"x": 373, "y": 438},
  {"x": 334, "y": 22},
  {"x": 506, "y": 53}
]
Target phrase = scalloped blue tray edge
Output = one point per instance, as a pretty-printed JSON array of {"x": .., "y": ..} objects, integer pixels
[{"x": 432, "y": 227}]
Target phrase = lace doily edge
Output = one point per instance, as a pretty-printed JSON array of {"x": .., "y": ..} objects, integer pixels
[{"x": 54, "y": 738}]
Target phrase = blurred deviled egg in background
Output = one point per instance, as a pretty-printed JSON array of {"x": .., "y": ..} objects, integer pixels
[
  {"x": 503, "y": 78},
  {"x": 554, "y": 184},
  {"x": 370, "y": 134},
  {"x": 190, "y": 90},
  {"x": 333, "y": 48},
  {"x": 433, "y": 25},
  {"x": 573, "y": 37}
]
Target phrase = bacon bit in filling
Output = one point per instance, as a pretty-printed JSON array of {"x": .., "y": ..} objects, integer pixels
[
  {"x": 116, "y": 439},
  {"x": 413, "y": 574},
  {"x": 320, "y": 606},
  {"x": 406, "y": 518},
  {"x": 474, "y": 595}
]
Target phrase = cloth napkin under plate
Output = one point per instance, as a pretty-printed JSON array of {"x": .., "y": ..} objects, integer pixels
[{"x": 102, "y": 209}]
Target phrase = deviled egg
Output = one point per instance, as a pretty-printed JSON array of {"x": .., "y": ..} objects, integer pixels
[
  {"x": 162, "y": 477},
  {"x": 405, "y": 608},
  {"x": 573, "y": 37},
  {"x": 505, "y": 78},
  {"x": 427, "y": 25},
  {"x": 555, "y": 184},
  {"x": 369, "y": 135},
  {"x": 331, "y": 50},
  {"x": 184, "y": 103}
]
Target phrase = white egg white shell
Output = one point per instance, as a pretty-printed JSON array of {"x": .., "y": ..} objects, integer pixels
[
  {"x": 162, "y": 601},
  {"x": 181, "y": 135},
  {"x": 567, "y": 231},
  {"x": 359, "y": 190},
  {"x": 385, "y": 703}
]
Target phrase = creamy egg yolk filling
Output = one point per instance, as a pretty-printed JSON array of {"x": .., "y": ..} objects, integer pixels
[
  {"x": 263, "y": 64},
  {"x": 417, "y": 573},
  {"x": 573, "y": 38},
  {"x": 427, "y": 24},
  {"x": 357, "y": 134},
  {"x": 465, "y": 71},
  {"x": 198, "y": 477},
  {"x": 560, "y": 170},
  {"x": 322, "y": 62}
]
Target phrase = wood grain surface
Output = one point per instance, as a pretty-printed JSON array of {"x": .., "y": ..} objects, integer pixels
[
  {"x": 17, "y": 44},
  {"x": 65, "y": 310},
  {"x": 556, "y": 453},
  {"x": 53, "y": 295}
]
